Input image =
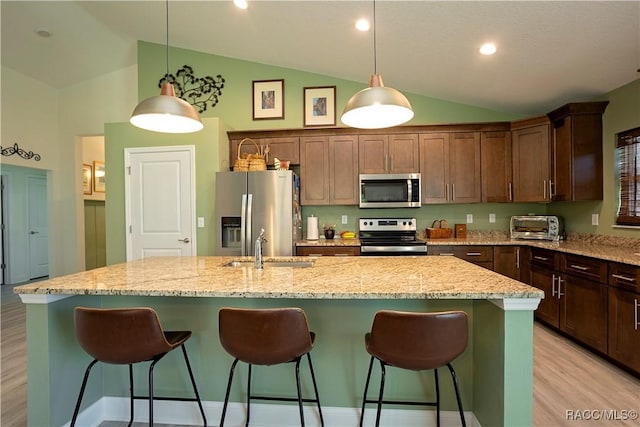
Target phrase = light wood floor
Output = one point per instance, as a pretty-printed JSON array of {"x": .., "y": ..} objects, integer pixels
[{"x": 566, "y": 377}]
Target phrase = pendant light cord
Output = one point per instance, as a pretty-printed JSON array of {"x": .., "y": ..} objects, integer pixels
[
  {"x": 375, "y": 60},
  {"x": 167, "y": 35}
]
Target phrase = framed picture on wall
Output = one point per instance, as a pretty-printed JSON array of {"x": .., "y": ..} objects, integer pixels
[
  {"x": 319, "y": 105},
  {"x": 268, "y": 99},
  {"x": 99, "y": 177},
  {"x": 87, "y": 178}
]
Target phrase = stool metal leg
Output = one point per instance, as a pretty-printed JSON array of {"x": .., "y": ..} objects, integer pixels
[
  {"x": 193, "y": 382},
  {"x": 299, "y": 391},
  {"x": 81, "y": 394},
  {"x": 454, "y": 378},
  {"x": 226, "y": 396},
  {"x": 382, "y": 375},
  {"x": 315, "y": 388},
  {"x": 153, "y": 364},
  {"x": 246, "y": 424},
  {"x": 435, "y": 375},
  {"x": 366, "y": 388},
  {"x": 131, "y": 394}
]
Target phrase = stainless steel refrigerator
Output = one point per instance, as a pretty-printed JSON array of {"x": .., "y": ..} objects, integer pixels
[{"x": 246, "y": 202}]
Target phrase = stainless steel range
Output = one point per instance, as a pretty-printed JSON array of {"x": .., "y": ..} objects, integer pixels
[{"x": 390, "y": 236}]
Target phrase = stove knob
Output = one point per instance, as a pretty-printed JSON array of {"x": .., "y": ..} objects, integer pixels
[
  {"x": 410, "y": 223},
  {"x": 404, "y": 223}
]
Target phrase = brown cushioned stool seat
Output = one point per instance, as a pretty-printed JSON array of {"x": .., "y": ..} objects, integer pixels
[
  {"x": 267, "y": 337},
  {"x": 417, "y": 342},
  {"x": 124, "y": 336}
]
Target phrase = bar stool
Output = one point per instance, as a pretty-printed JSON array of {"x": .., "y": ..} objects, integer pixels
[
  {"x": 417, "y": 342},
  {"x": 267, "y": 337},
  {"x": 124, "y": 336}
]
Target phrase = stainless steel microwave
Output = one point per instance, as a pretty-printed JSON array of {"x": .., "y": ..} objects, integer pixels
[{"x": 400, "y": 190}]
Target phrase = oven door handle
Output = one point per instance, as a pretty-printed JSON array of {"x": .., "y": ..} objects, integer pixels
[{"x": 383, "y": 249}]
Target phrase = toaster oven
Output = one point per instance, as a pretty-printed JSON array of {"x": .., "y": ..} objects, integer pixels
[{"x": 536, "y": 227}]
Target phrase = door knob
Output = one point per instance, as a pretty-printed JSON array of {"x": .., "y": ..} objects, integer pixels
[
  {"x": 185, "y": 240},
  {"x": 34, "y": 232}
]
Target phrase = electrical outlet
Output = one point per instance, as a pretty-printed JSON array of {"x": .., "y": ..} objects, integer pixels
[
  {"x": 200, "y": 222},
  {"x": 344, "y": 219},
  {"x": 469, "y": 218},
  {"x": 492, "y": 217},
  {"x": 595, "y": 219}
]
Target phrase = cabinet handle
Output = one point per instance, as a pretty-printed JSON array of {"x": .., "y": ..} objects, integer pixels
[
  {"x": 453, "y": 191},
  {"x": 446, "y": 192},
  {"x": 517, "y": 257},
  {"x": 579, "y": 267},
  {"x": 553, "y": 285},
  {"x": 551, "y": 194},
  {"x": 544, "y": 189},
  {"x": 341, "y": 254},
  {"x": 540, "y": 258},
  {"x": 314, "y": 255},
  {"x": 510, "y": 192},
  {"x": 560, "y": 294},
  {"x": 621, "y": 277},
  {"x": 474, "y": 253},
  {"x": 635, "y": 314},
  {"x": 445, "y": 254}
]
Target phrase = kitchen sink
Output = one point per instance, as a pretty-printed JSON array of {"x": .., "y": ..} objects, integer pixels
[{"x": 269, "y": 264}]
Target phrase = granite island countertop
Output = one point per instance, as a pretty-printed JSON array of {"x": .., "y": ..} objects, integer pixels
[{"x": 328, "y": 278}]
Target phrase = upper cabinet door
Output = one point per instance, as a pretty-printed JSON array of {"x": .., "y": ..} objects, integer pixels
[
  {"x": 496, "y": 167},
  {"x": 531, "y": 164},
  {"x": 434, "y": 167},
  {"x": 314, "y": 170},
  {"x": 403, "y": 153},
  {"x": 343, "y": 170},
  {"x": 372, "y": 153},
  {"x": 464, "y": 167}
]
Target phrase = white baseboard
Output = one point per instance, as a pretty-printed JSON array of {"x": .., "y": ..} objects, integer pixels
[{"x": 262, "y": 415}]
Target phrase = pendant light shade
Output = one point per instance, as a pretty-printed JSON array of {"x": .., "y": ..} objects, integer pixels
[
  {"x": 166, "y": 113},
  {"x": 377, "y": 107}
]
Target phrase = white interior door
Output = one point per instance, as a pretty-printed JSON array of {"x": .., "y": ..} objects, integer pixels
[
  {"x": 160, "y": 201},
  {"x": 38, "y": 227}
]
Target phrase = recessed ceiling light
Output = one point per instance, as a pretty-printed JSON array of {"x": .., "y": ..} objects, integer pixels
[
  {"x": 241, "y": 4},
  {"x": 43, "y": 32},
  {"x": 362, "y": 24},
  {"x": 488, "y": 49}
]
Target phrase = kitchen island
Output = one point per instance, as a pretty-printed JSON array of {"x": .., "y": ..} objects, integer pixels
[{"x": 340, "y": 297}]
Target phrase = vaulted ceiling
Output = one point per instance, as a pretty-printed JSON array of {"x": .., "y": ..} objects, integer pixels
[{"x": 549, "y": 52}]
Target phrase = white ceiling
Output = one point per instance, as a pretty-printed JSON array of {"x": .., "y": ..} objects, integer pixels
[{"x": 549, "y": 52}]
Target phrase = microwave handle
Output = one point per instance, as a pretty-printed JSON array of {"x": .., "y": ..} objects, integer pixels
[{"x": 409, "y": 191}]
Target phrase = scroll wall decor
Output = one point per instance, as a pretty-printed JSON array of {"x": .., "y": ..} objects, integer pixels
[
  {"x": 201, "y": 92},
  {"x": 27, "y": 155}
]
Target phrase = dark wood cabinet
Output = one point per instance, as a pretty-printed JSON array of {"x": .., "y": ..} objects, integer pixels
[
  {"x": 496, "y": 167},
  {"x": 624, "y": 315},
  {"x": 328, "y": 250},
  {"x": 531, "y": 160},
  {"x": 575, "y": 299},
  {"x": 450, "y": 167},
  {"x": 393, "y": 153},
  {"x": 508, "y": 260},
  {"x": 329, "y": 170},
  {"x": 476, "y": 254},
  {"x": 576, "y": 143}
]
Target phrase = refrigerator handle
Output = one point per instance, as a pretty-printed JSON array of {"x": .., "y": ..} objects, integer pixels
[
  {"x": 249, "y": 221},
  {"x": 243, "y": 224}
]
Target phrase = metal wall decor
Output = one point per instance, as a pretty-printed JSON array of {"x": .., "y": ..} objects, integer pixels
[
  {"x": 27, "y": 155},
  {"x": 201, "y": 92}
]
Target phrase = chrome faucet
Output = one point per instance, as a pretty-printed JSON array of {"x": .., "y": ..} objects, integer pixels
[{"x": 258, "y": 250}]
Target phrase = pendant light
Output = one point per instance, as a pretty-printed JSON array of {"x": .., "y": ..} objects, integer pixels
[
  {"x": 166, "y": 113},
  {"x": 377, "y": 106}
]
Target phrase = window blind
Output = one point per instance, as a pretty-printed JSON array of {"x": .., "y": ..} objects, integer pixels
[{"x": 628, "y": 159}]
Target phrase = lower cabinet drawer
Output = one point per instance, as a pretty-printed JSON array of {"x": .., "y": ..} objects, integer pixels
[
  {"x": 328, "y": 250},
  {"x": 480, "y": 255}
]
